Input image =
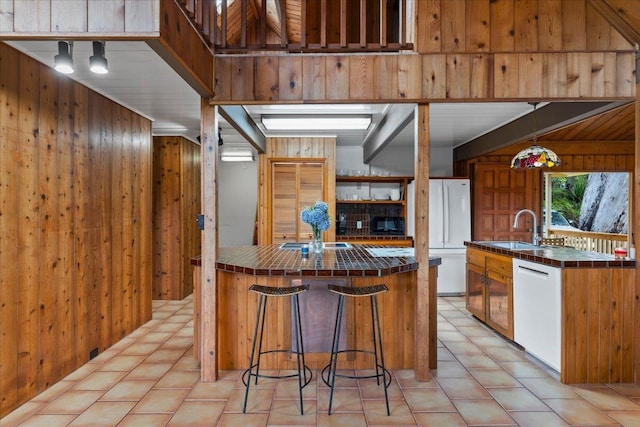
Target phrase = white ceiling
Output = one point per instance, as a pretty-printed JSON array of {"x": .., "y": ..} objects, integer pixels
[{"x": 140, "y": 80}]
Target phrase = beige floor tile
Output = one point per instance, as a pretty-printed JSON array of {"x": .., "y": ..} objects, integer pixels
[
  {"x": 489, "y": 341},
  {"x": 287, "y": 413},
  {"x": 71, "y": 402},
  {"x": 445, "y": 355},
  {"x": 477, "y": 361},
  {"x": 407, "y": 379},
  {"x": 446, "y": 336},
  {"x": 243, "y": 420},
  {"x": 100, "y": 381},
  {"x": 505, "y": 354},
  {"x": 342, "y": 420},
  {"x": 106, "y": 355},
  {"x": 626, "y": 418},
  {"x": 183, "y": 343},
  {"x": 54, "y": 391},
  {"x": 517, "y": 399},
  {"x": 168, "y": 327},
  {"x": 484, "y": 412},
  {"x": 82, "y": 372},
  {"x": 450, "y": 370},
  {"x": 47, "y": 421},
  {"x": 103, "y": 414},
  {"x": 463, "y": 388},
  {"x": 436, "y": 419},
  {"x": 149, "y": 371},
  {"x": 548, "y": 388},
  {"x": 375, "y": 412},
  {"x": 22, "y": 413},
  {"x": 628, "y": 390},
  {"x": 140, "y": 348},
  {"x": 122, "y": 363},
  {"x": 428, "y": 400},
  {"x": 159, "y": 401},
  {"x": 523, "y": 370},
  {"x": 579, "y": 412},
  {"x": 128, "y": 390},
  {"x": 146, "y": 420},
  {"x": 289, "y": 389},
  {"x": 344, "y": 400},
  {"x": 462, "y": 321},
  {"x": 211, "y": 391},
  {"x": 476, "y": 331},
  {"x": 259, "y": 400},
  {"x": 494, "y": 378},
  {"x": 457, "y": 348},
  {"x": 538, "y": 419},
  {"x": 161, "y": 355},
  {"x": 197, "y": 414},
  {"x": 605, "y": 398},
  {"x": 179, "y": 379},
  {"x": 187, "y": 363},
  {"x": 369, "y": 389}
]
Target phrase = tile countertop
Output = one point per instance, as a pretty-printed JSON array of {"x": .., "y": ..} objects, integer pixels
[
  {"x": 270, "y": 260},
  {"x": 559, "y": 256}
]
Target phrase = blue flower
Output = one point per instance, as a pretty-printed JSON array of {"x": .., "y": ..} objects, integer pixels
[{"x": 317, "y": 216}]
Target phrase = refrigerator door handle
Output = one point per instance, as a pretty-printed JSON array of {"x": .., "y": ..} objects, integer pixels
[
  {"x": 441, "y": 229},
  {"x": 446, "y": 221}
]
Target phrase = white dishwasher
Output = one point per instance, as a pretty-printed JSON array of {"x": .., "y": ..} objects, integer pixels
[{"x": 537, "y": 310}]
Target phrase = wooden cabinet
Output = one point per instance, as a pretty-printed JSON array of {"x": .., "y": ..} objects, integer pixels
[
  {"x": 490, "y": 290},
  {"x": 294, "y": 186}
]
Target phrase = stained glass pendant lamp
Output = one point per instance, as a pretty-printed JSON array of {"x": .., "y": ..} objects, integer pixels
[{"x": 535, "y": 156}]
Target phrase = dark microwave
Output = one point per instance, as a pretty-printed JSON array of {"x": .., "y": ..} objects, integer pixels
[{"x": 387, "y": 225}]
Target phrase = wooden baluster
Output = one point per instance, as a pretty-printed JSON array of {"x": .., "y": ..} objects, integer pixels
[
  {"x": 323, "y": 23},
  {"x": 343, "y": 23},
  {"x": 363, "y": 23},
  {"x": 223, "y": 25},
  {"x": 243, "y": 25},
  {"x": 383, "y": 23},
  {"x": 282, "y": 12},
  {"x": 303, "y": 24}
]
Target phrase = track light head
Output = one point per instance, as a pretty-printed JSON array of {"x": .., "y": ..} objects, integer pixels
[
  {"x": 98, "y": 62},
  {"x": 63, "y": 61}
]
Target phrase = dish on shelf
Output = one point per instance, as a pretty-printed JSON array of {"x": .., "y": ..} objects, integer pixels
[
  {"x": 381, "y": 197},
  {"x": 366, "y": 198}
]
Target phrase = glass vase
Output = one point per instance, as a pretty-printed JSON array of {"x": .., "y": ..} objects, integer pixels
[{"x": 317, "y": 245}]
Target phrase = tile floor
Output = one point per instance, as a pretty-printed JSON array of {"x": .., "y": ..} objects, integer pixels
[{"x": 150, "y": 379}]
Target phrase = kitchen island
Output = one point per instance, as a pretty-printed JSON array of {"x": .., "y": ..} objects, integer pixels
[
  {"x": 237, "y": 268},
  {"x": 572, "y": 309}
]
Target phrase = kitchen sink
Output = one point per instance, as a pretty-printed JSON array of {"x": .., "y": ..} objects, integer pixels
[
  {"x": 327, "y": 245},
  {"x": 514, "y": 246}
]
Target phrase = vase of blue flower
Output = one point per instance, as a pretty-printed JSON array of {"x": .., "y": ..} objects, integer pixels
[{"x": 317, "y": 216}]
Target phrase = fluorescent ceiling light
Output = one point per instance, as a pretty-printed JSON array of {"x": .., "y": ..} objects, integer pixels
[
  {"x": 314, "y": 122},
  {"x": 236, "y": 156}
]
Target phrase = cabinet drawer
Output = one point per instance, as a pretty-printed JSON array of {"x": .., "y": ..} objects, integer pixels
[
  {"x": 500, "y": 264},
  {"x": 476, "y": 257}
]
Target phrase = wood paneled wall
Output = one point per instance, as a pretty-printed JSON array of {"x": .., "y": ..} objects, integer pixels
[
  {"x": 176, "y": 205},
  {"x": 75, "y": 225},
  {"x": 513, "y": 26}
]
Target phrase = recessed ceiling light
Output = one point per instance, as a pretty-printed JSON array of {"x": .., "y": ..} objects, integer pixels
[{"x": 311, "y": 122}]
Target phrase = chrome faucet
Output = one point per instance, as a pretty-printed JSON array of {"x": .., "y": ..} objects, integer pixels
[{"x": 535, "y": 239}]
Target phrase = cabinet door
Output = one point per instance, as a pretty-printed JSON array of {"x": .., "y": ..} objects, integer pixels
[
  {"x": 294, "y": 186},
  {"x": 476, "y": 291},
  {"x": 499, "y": 309},
  {"x": 284, "y": 202},
  {"x": 311, "y": 189}
]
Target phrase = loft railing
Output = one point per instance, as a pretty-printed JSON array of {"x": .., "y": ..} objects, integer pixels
[
  {"x": 332, "y": 26},
  {"x": 590, "y": 241}
]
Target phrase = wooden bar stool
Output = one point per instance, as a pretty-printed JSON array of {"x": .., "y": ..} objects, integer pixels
[
  {"x": 303, "y": 369},
  {"x": 329, "y": 373}
]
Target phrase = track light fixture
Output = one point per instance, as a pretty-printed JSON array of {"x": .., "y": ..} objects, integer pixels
[
  {"x": 63, "y": 61},
  {"x": 98, "y": 62}
]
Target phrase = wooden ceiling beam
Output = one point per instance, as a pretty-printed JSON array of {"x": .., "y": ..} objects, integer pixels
[
  {"x": 396, "y": 119},
  {"x": 238, "y": 117},
  {"x": 552, "y": 116}
]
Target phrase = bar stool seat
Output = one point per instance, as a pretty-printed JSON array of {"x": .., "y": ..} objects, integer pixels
[
  {"x": 303, "y": 373},
  {"x": 329, "y": 373}
]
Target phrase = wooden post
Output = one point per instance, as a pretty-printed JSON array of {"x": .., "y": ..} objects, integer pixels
[
  {"x": 634, "y": 229},
  {"x": 423, "y": 308},
  {"x": 208, "y": 299}
]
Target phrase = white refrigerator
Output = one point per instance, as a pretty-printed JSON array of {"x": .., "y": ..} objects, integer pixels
[{"x": 449, "y": 227}]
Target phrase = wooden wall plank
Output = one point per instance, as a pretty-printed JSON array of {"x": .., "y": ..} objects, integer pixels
[
  {"x": 429, "y": 34},
  {"x": 526, "y": 25},
  {"x": 32, "y": 16},
  {"x": 574, "y": 25},
  {"x": 502, "y": 25},
  {"x": 337, "y": 77},
  {"x": 409, "y": 77},
  {"x": 27, "y": 229},
  {"x": 69, "y": 16},
  {"x": 434, "y": 83},
  {"x": 141, "y": 16},
  {"x": 361, "y": 77},
  {"x": 458, "y": 76},
  {"x": 290, "y": 79},
  {"x": 6, "y": 15},
  {"x": 9, "y": 221},
  {"x": 266, "y": 87},
  {"x": 453, "y": 26},
  {"x": 313, "y": 80},
  {"x": 478, "y": 30},
  {"x": 105, "y": 16}
]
